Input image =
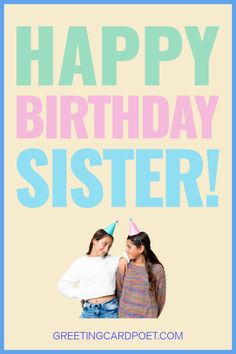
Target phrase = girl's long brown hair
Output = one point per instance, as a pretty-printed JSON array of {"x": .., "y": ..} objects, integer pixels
[{"x": 150, "y": 258}]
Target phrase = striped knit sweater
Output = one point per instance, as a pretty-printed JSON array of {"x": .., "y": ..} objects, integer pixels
[{"x": 135, "y": 300}]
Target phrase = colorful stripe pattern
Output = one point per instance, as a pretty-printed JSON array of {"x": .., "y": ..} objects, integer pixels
[{"x": 133, "y": 291}]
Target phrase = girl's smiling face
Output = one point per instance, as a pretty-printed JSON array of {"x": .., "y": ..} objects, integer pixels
[
  {"x": 102, "y": 246},
  {"x": 133, "y": 251}
]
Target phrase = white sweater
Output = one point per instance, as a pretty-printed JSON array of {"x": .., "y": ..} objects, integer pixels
[{"x": 95, "y": 275}]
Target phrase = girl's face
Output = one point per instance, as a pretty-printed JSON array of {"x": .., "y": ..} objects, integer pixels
[
  {"x": 133, "y": 251},
  {"x": 102, "y": 246}
]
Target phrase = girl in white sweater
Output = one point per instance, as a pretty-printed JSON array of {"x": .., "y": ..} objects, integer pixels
[{"x": 96, "y": 274}]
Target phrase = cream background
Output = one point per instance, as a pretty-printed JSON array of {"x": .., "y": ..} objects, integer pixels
[{"x": 194, "y": 244}]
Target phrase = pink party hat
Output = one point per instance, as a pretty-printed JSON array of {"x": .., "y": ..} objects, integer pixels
[{"x": 133, "y": 230}]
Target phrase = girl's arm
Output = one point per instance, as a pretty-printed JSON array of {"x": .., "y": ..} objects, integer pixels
[
  {"x": 67, "y": 285},
  {"x": 119, "y": 283},
  {"x": 123, "y": 263}
]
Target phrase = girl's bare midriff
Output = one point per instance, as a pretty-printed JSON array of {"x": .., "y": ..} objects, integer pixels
[{"x": 100, "y": 300}]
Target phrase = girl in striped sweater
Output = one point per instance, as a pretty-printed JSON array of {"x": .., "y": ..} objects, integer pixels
[{"x": 142, "y": 290}]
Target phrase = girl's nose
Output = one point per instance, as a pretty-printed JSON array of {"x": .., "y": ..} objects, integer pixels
[{"x": 106, "y": 248}]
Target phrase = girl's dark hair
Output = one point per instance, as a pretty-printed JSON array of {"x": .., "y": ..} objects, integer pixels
[
  {"x": 99, "y": 234},
  {"x": 150, "y": 258}
]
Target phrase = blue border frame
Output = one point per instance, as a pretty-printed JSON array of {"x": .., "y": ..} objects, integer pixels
[
  {"x": 116, "y": 2},
  {"x": 2, "y": 3},
  {"x": 1, "y": 175}
]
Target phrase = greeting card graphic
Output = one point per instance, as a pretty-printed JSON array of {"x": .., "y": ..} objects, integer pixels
[{"x": 111, "y": 112}]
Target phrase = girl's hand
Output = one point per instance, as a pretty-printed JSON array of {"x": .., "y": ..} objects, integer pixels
[{"x": 123, "y": 265}]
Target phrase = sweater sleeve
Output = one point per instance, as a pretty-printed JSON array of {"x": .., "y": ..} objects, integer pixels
[
  {"x": 161, "y": 290},
  {"x": 67, "y": 285}
]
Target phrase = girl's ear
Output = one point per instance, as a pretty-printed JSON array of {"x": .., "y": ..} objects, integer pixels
[{"x": 141, "y": 249}]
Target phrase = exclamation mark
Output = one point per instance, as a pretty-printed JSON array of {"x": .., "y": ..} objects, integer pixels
[{"x": 213, "y": 158}]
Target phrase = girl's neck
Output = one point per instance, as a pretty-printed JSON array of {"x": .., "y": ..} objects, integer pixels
[
  {"x": 139, "y": 261},
  {"x": 93, "y": 254}
]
